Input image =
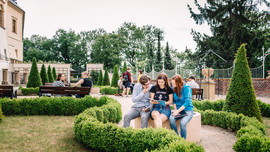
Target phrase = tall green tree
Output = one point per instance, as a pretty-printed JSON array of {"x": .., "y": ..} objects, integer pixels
[
  {"x": 34, "y": 79},
  {"x": 168, "y": 64},
  {"x": 158, "y": 61},
  {"x": 50, "y": 75},
  {"x": 106, "y": 80},
  {"x": 124, "y": 68},
  {"x": 115, "y": 77},
  {"x": 100, "y": 78},
  {"x": 241, "y": 95},
  {"x": 94, "y": 76},
  {"x": 107, "y": 50},
  {"x": 43, "y": 75},
  {"x": 232, "y": 23},
  {"x": 54, "y": 73}
]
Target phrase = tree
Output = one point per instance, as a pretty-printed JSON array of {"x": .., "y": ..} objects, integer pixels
[
  {"x": 168, "y": 65},
  {"x": 158, "y": 62},
  {"x": 115, "y": 77},
  {"x": 107, "y": 50},
  {"x": 232, "y": 23},
  {"x": 100, "y": 78},
  {"x": 43, "y": 75},
  {"x": 50, "y": 75},
  {"x": 124, "y": 68},
  {"x": 34, "y": 79},
  {"x": 106, "y": 80},
  {"x": 54, "y": 73},
  {"x": 241, "y": 95}
]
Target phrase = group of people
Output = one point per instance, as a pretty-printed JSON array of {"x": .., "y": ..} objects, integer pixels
[
  {"x": 154, "y": 101},
  {"x": 61, "y": 81}
]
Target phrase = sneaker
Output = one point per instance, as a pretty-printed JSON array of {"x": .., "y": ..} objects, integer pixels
[{"x": 126, "y": 95}]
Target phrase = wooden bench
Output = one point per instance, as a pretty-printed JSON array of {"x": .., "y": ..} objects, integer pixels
[
  {"x": 198, "y": 93},
  {"x": 7, "y": 91},
  {"x": 193, "y": 127},
  {"x": 63, "y": 90},
  {"x": 48, "y": 84}
]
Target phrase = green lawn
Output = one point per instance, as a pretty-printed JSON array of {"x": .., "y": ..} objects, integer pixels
[
  {"x": 38, "y": 133},
  {"x": 266, "y": 122}
]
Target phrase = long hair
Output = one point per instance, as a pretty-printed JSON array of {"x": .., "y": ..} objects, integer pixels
[
  {"x": 58, "y": 76},
  {"x": 163, "y": 77},
  {"x": 179, "y": 84}
]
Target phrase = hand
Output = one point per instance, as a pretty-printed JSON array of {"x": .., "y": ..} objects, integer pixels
[
  {"x": 146, "y": 90},
  {"x": 175, "y": 112},
  {"x": 153, "y": 102},
  {"x": 145, "y": 109}
]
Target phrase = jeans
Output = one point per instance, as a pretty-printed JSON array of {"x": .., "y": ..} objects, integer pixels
[
  {"x": 183, "y": 123},
  {"x": 134, "y": 113}
]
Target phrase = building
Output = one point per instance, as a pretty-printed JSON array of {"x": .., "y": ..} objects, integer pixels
[{"x": 11, "y": 39}]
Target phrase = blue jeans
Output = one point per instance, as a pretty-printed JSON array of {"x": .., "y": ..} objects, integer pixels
[{"x": 183, "y": 123}]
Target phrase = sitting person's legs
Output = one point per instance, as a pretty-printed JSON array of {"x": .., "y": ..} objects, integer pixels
[
  {"x": 183, "y": 123},
  {"x": 144, "y": 119},
  {"x": 131, "y": 114}
]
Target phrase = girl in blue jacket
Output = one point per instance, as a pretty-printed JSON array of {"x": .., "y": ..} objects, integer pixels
[{"x": 181, "y": 101}]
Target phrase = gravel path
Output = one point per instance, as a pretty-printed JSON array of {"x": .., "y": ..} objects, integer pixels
[{"x": 214, "y": 139}]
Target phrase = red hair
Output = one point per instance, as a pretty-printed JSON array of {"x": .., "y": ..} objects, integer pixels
[{"x": 179, "y": 84}]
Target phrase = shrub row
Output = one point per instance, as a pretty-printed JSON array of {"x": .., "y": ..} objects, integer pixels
[
  {"x": 218, "y": 106},
  {"x": 94, "y": 127},
  {"x": 1, "y": 113},
  {"x": 109, "y": 90},
  {"x": 49, "y": 106},
  {"x": 30, "y": 91},
  {"x": 250, "y": 131}
]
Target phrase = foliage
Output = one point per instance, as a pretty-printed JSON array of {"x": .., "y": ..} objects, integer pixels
[
  {"x": 106, "y": 80},
  {"x": 124, "y": 68},
  {"x": 158, "y": 61},
  {"x": 115, "y": 77},
  {"x": 108, "y": 90},
  {"x": 94, "y": 76},
  {"x": 34, "y": 79},
  {"x": 241, "y": 95},
  {"x": 100, "y": 78},
  {"x": 30, "y": 91},
  {"x": 168, "y": 64},
  {"x": 50, "y": 75},
  {"x": 43, "y": 75},
  {"x": 1, "y": 113},
  {"x": 232, "y": 23},
  {"x": 54, "y": 73},
  {"x": 66, "y": 106}
]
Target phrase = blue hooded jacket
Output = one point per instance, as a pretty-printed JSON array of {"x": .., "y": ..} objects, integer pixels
[{"x": 185, "y": 100}]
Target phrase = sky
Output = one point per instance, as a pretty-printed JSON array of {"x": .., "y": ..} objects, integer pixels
[{"x": 45, "y": 17}]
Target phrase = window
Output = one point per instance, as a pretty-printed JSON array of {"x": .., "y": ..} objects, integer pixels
[
  {"x": 5, "y": 51},
  {"x": 14, "y": 25},
  {"x": 1, "y": 16},
  {"x": 16, "y": 52}
]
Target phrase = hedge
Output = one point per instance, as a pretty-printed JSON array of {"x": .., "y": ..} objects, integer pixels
[
  {"x": 94, "y": 128},
  {"x": 1, "y": 113},
  {"x": 108, "y": 90},
  {"x": 30, "y": 91},
  {"x": 49, "y": 106},
  {"x": 250, "y": 131}
]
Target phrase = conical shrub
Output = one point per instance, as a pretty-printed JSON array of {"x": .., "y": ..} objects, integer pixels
[
  {"x": 106, "y": 80},
  {"x": 1, "y": 113},
  {"x": 115, "y": 77},
  {"x": 43, "y": 75},
  {"x": 100, "y": 78},
  {"x": 34, "y": 79},
  {"x": 241, "y": 95},
  {"x": 54, "y": 73},
  {"x": 50, "y": 75},
  {"x": 124, "y": 68}
]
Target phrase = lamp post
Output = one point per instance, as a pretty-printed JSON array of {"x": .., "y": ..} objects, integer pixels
[{"x": 264, "y": 56}]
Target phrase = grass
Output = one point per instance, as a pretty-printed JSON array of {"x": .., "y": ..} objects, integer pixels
[
  {"x": 38, "y": 133},
  {"x": 266, "y": 122}
]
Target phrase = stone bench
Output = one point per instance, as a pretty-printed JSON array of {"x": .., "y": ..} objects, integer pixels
[
  {"x": 95, "y": 91},
  {"x": 193, "y": 127}
]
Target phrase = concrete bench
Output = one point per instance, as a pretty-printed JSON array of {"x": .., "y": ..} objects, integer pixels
[
  {"x": 95, "y": 91},
  {"x": 193, "y": 127}
]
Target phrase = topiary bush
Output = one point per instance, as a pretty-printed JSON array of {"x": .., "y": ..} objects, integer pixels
[
  {"x": 115, "y": 77},
  {"x": 43, "y": 75},
  {"x": 241, "y": 96},
  {"x": 34, "y": 79},
  {"x": 100, "y": 78},
  {"x": 106, "y": 80},
  {"x": 124, "y": 68},
  {"x": 94, "y": 76},
  {"x": 54, "y": 73},
  {"x": 30, "y": 91},
  {"x": 1, "y": 113},
  {"x": 50, "y": 75}
]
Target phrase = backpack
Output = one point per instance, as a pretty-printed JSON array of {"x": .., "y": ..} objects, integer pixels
[{"x": 125, "y": 76}]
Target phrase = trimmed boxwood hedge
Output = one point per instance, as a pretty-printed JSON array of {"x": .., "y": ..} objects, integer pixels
[
  {"x": 1, "y": 113},
  {"x": 30, "y": 91},
  {"x": 50, "y": 106},
  {"x": 250, "y": 131},
  {"x": 94, "y": 127},
  {"x": 109, "y": 90}
]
